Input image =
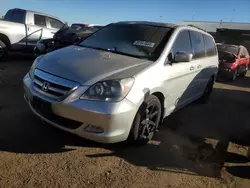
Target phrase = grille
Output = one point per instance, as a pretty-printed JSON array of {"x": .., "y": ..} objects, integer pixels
[{"x": 52, "y": 86}]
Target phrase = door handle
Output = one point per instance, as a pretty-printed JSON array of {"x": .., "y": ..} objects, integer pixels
[
  {"x": 199, "y": 66},
  {"x": 192, "y": 68}
]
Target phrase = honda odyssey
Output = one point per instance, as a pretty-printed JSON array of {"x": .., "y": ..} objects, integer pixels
[{"x": 119, "y": 83}]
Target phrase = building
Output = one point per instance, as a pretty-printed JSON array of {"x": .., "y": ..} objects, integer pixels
[{"x": 225, "y": 32}]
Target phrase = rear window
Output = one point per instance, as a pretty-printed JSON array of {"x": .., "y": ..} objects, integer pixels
[
  {"x": 40, "y": 20},
  {"x": 141, "y": 41},
  {"x": 17, "y": 16},
  {"x": 210, "y": 46},
  {"x": 226, "y": 57},
  {"x": 227, "y": 48}
]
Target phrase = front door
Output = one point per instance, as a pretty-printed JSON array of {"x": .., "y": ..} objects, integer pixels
[
  {"x": 181, "y": 77},
  {"x": 37, "y": 31}
]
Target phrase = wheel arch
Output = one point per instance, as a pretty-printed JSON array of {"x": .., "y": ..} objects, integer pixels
[
  {"x": 161, "y": 98},
  {"x": 5, "y": 39}
]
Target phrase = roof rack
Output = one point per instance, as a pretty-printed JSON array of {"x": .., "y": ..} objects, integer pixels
[{"x": 196, "y": 27}]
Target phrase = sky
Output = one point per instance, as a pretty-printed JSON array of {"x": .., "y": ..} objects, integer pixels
[{"x": 107, "y": 11}]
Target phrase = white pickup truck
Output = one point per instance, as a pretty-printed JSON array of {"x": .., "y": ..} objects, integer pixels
[{"x": 20, "y": 30}]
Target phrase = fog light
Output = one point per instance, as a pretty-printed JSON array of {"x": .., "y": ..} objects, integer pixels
[{"x": 93, "y": 129}]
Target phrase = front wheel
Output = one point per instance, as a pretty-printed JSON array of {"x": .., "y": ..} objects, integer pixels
[{"x": 146, "y": 121}]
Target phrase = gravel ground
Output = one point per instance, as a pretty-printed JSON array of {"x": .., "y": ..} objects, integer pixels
[{"x": 199, "y": 146}]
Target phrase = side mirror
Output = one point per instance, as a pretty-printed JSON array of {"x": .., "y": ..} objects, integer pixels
[{"x": 183, "y": 57}]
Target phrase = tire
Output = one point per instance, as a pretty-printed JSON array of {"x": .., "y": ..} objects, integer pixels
[
  {"x": 3, "y": 50},
  {"x": 207, "y": 93},
  {"x": 234, "y": 75},
  {"x": 245, "y": 72},
  {"x": 144, "y": 126}
]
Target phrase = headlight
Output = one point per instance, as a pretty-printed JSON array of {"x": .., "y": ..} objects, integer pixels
[
  {"x": 33, "y": 67},
  {"x": 110, "y": 90}
]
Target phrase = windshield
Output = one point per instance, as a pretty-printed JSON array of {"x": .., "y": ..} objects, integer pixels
[
  {"x": 226, "y": 57},
  {"x": 141, "y": 41},
  {"x": 228, "y": 48}
]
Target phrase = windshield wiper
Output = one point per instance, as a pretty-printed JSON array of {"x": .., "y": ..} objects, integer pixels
[
  {"x": 114, "y": 50},
  {"x": 93, "y": 47}
]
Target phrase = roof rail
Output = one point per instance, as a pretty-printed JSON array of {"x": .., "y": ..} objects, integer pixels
[{"x": 196, "y": 27}]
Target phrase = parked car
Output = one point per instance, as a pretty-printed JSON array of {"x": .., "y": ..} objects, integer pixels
[
  {"x": 120, "y": 83},
  {"x": 64, "y": 37},
  {"x": 20, "y": 30},
  {"x": 77, "y": 26},
  {"x": 234, "y": 61}
]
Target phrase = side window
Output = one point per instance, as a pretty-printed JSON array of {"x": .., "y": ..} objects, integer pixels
[
  {"x": 54, "y": 23},
  {"x": 210, "y": 46},
  {"x": 182, "y": 43},
  {"x": 39, "y": 20},
  {"x": 197, "y": 44}
]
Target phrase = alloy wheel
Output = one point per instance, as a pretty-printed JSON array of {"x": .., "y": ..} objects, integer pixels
[{"x": 149, "y": 122}]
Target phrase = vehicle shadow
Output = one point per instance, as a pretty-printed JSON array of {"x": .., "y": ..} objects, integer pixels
[
  {"x": 239, "y": 82},
  {"x": 193, "y": 140},
  {"x": 182, "y": 145}
]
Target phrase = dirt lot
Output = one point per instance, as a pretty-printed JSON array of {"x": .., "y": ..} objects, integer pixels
[{"x": 199, "y": 146}]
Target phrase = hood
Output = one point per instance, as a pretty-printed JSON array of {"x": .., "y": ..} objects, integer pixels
[{"x": 87, "y": 66}]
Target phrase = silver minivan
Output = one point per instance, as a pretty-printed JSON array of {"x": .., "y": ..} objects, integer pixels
[{"x": 120, "y": 82}]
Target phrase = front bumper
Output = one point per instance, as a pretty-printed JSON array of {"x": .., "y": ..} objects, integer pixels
[{"x": 114, "y": 118}]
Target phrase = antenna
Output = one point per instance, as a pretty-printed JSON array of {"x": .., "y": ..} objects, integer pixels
[
  {"x": 232, "y": 15},
  {"x": 193, "y": 16}
]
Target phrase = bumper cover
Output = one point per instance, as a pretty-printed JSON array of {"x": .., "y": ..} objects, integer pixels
[{"x": 114, "y": 118}]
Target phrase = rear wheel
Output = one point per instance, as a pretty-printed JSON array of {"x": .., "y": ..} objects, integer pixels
[
  {"x": 146, "y": 121},
  {"x": 3, "y": 50},
  {"x": 245, "y": 72}
]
